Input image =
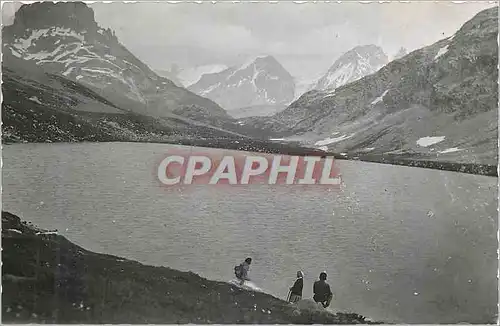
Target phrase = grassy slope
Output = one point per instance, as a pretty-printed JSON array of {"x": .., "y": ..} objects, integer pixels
[{"x": 48, "y": 279}]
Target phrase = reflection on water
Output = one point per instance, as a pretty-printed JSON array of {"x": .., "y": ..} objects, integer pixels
[{"x": 399, "y": 244}]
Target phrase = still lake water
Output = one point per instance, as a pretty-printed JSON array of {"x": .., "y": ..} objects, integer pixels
[{"x": 399, "y": 244}]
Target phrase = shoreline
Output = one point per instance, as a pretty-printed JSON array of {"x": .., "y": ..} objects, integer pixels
[
  {"x": 273, "y": 147},
  {"x": 48, "y": 279}
]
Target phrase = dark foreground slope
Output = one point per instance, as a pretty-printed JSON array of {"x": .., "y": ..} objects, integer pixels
[{"x": 48, "y": 279}]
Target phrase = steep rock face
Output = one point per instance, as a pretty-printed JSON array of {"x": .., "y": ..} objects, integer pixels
[
  {"x": 353, "y": 65},
  {"x": 259, "y": 82},
  {"x": 64, "y": 39},
  {"x": 441, "y": 99}
]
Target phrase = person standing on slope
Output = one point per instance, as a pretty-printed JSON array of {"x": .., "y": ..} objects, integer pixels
[
  {"x": 322, "y": 292},
  {"x": 241, "y": 271},
  {"x": 296, "y": 289}
]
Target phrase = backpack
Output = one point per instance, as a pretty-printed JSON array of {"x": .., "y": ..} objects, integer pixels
[{"x": 238, "y": 270}]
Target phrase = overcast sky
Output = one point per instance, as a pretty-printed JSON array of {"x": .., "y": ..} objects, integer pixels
[{"x": 306, "y": 38}]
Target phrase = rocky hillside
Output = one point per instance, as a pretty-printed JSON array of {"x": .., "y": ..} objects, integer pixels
[
  {"x": 43, "y": 107},
  {"x": 48, "y": 279},
  {"x": 64, "y": 39},
  {"x": 441, "y": 100},
  {"x": 259, "y": 82},
  {"x": 351, "y": 66}
]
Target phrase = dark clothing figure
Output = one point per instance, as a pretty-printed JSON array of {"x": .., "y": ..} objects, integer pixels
[
  {"x": 296, "y": 289},
  {"x": 241, "y": 271},
  {"x": 322, "y": 292},
  {"x": 298, "y": 286}
]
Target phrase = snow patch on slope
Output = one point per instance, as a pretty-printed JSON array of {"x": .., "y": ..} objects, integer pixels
[
  {"x": 428, "y": 141},
  {"x": 442, "y": 51},
  {"x": 340, "y": 76},
  {"x": 209, "y": 89},
  {"x": 35, "y": 99},
  {"x": 68, "y": 71},
  {"x": 328, "y": 141},
  {"x": 450, "y": 150},
  {"x": 380, "y": 98},
  {"x": 23, "y": 43}
]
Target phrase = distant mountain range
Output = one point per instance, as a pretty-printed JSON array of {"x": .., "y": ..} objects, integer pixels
[
  {"x": 67, "y": 79},
  {"x": 43, "y": 107},
  {"x": 439, "y": 102},
  {"x": 185, "y": 77},
  {"x": 260, "y": 82},
  {"x": 190, "y": 76},
  {"x": 356, "y": 63},
  {"x": 64, "y": 39},
  {"x": 262, "y": 87}
]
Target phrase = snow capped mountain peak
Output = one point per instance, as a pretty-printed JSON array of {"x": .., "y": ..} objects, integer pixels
[
  {"x": 248, "y": 62},
  {"x": 64, "y": 39},
  {"x": 254, "y": 60},
  {"x": 440, "y": 99},
  {"x": 76, "y": 48},
  {"x": 259, "y": 81},
  {"x": 353, "y": 65}
]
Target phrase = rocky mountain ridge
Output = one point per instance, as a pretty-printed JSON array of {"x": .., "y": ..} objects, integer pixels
[
  {"x": 64, "y": 39},
  {"x": 259, "y": 82},
  {"x": 356, "y": 63},
  {"x": 441, "y": 100}
]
